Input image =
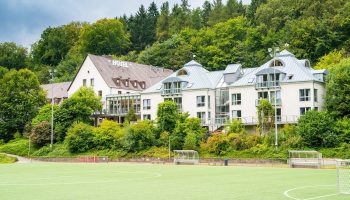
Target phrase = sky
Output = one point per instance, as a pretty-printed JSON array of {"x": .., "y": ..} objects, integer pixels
[{"x": 22, "y": 21}]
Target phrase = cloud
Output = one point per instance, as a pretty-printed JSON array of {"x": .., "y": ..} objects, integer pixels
[{"x": 22, "y": 21}]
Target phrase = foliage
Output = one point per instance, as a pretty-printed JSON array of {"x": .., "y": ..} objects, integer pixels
[
  {"x": 188, "y": 133},
  {"x": 45, "y": 114},
  {"x": 139, "y": 136},
  {"x": 106, "y": 36},
  {"x": 21, "y": 96},
  {"x": 80, "y": 138},
  {"x": 41, "y": 134},
  {"x": 342, "y": 128},
  {"x": 331, "y": 59},
  {"x": 218, "y": 143},
  {"x": 266, "y": 115},
  {"x": 131, "y": 116},
  {"x": 4, "y": 159},
  {"x": 167, "y": 116},
  {"x": 77, "y": 108},
  {"x": 108, "y": 135},
  {"x": 317, "y": 129},
  {"x": 12, "y": 56},
  {"x": 338, "y": 90},
  {"x": 16, "y": 147},
  {"x": 3, "y": 71},
  {"x": 55, "y": 43},
  {"x": 234, "y": 126}
]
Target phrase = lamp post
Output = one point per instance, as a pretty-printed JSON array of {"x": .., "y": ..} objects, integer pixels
[
  {"x": 52, "y": 72},
  {"x": 273, "y": 52}
]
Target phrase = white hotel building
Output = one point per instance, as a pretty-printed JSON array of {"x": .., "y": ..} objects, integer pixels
[{"x": 217, "y": 96}]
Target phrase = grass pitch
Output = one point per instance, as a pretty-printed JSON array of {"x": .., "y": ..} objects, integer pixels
[{"x": 39, "y": 181}]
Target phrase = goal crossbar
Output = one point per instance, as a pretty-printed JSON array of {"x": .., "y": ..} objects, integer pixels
[
  {"x": 186, "y": 157},
  {"x": 305, "y": 158}
]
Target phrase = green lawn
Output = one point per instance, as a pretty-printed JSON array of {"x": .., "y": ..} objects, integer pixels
[{"x": 146, "y": 181}]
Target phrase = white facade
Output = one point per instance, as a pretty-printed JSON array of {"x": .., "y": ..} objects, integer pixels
[{"x": 234, "y": 93}]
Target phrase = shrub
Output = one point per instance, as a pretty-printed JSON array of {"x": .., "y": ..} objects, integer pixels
[
  {"x": 235, "y": 126},
  {"x": 80, "y": 138},
  {"x": 108, "y": 135},
  {"x": 41, "y": 134},
  {"x": 44, "y": 114},
  {"x": 190, "y": 141},
  {"x": 218, "y": 143},
  {"x": 16, "y": 147},
  {"x": 342, "y": 128},
  {"x": 7, "y": 159},
  {"x": 139, "y": 136},
  {"x": 317, "y": 130}
]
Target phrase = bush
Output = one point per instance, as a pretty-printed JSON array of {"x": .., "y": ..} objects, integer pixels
[
  {"x": 235, "y": 126},
  {"x": 190, "y": 141},
  {"x": 218, "y": 143},
  {"x": 342, "y": 128},
  {"x": 317, "y": 130},
  {"x": 41, "y": 134},
  {"x": 80, "y": 138},
  {"x": 139, "y": 136},
  {"x": 108, "y": 135},
  {"x": 7, "y": 159},
  {"x": 57, "y": 150},
  {"x": 16, "y": 147}
]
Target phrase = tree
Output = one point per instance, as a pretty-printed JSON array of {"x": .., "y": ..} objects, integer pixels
[
  {"x": 266, "y": 115},
  {"x": 338, "y": 90},
  {"x": 217, "y": 14},
  {"x": 131, "y": 116},
  {"x": 163, "y": 22},
  {"x": 317, "y": 129},
  {"x": 206, "y": 10},
  {"x": 108, "y": 135},
  {"x": 3, "y": 71},
  {"x": 167, "y": 116},
  {"x": 331, "y": 59},
  {"x": 254, "y": 4},
  {"x": 55, "y": 43},
  {"x": 41, "y": 134},
  {"x": 45, "y": 114},
  {"x": 139, "y": 136},
  {"x": 21, "y": 97},
  {"x": 80, "y": 138},
  {"x": 187, "y": 133},
  {"x": 78, "y": 108},
  {"x": 105, "y": 37},
  {"x": 12, "y": 56}
]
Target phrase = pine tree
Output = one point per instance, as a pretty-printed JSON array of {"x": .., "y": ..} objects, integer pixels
[
  {"x": 207, "y": 8},
  {"x": 163, "y": 22}
]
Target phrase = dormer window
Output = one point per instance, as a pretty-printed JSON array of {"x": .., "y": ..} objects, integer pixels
[
  {"x": 127, "y": 83},
  {"x": 135, "y": 84},
  {"x": 182, "y": 72},
  {"x": 276, "y": 63}
]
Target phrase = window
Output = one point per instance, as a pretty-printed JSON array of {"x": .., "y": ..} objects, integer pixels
[
  {"x": 304, "y": 95},
  {"x": 147, "y": 104},
  {"x": 201, "y": 116},
  {"x": 182, "y": 72},
  {"x": 208, "y": 101},
  {"x": 178, "y": 101},
  {"x": 168, "y": 99},
  {"x": 236, "y": 114},
  {"x": 84, "y": 82},
  {"x": 92, "y": 82},
  {"x": 200, "y": 101},
  {"x": 236, "y": 99},
  {"x": 177, "y": 87},
  {"x": 146, "y": 117},
  {"x": 127, "y": 83},
  {"x": 316, "y": 108},
  {"x": 303, "y": 110},
  {"x": 100, "y": 93},
  {"x": 119, "y": 92},
  {"x": 127, "y": 92},
  {"x": 263, "y": 95},
  {"x": 315, "y": 95},
  {"x": 276, "y": 63},
  {"x": 279, "y": 114},
  {"x": 209, "y": 116},
  {"x": 167, "y": 88},
  {"x": 135, "y": 84}
]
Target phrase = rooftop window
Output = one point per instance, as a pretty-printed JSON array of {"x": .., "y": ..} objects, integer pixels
[
  {"x": 276, "y": 63},
  {"x": 182, "y": 72}
]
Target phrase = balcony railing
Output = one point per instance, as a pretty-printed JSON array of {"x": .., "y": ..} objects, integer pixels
[
  {"x": 171, "y": 91},
  {"x": 267, "y": 84},
  {"x": 122, "y": 111},
  {"x": 272, "y": 101}
]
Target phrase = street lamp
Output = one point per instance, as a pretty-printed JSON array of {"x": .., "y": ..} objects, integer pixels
[
  {"x": 52, "y": 72},
  {"x": 273, "y": 52}
]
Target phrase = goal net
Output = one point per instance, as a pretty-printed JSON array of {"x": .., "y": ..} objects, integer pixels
[
  {"x": 308, "y": 159},
  {"x": 343, "y": 176},
  {"x": 186, "y": 157},
  {"x": 93, "y": 159}
]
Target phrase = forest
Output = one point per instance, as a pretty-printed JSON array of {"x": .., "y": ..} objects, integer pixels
[{"x": 218, "y": 33}]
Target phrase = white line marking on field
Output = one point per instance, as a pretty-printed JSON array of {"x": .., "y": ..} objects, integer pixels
[{"x": 311, "y": 198}]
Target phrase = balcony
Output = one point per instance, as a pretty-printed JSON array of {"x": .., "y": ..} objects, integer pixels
[
  {"x": 267, "y": 84},
  {"x": 122, "y": 111},
  {"x": 272, "y": 101},
  {"x": 172, "y": 91}
]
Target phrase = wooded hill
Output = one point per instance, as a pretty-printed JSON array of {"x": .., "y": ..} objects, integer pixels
[{"x": 218, "y": 34}]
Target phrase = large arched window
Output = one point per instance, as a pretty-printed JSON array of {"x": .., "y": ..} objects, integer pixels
[
  {"x": 276, "y": 63},
  {"x": 182, "y": 72}
]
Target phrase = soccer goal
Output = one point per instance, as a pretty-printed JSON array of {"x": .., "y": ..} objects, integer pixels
[
  {"x": 309, "y": 159},
  {"x": 343, "y": 176},
  {"x": 186, "y": 157}
]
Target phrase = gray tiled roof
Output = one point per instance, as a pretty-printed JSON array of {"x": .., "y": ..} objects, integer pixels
[
  {"x": 132, "y": 71},
  {"x": 232, "y": 68},
  {"x": 60, "y": 90}
]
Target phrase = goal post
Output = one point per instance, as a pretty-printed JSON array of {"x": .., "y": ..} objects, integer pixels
[
  {"x": 343, "y": 176},
  {"x": 186, "y": 157},
  {"x": 305, "y": 158}
]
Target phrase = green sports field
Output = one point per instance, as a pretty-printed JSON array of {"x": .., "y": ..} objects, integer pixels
[{"x": 39, "y": 181}]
